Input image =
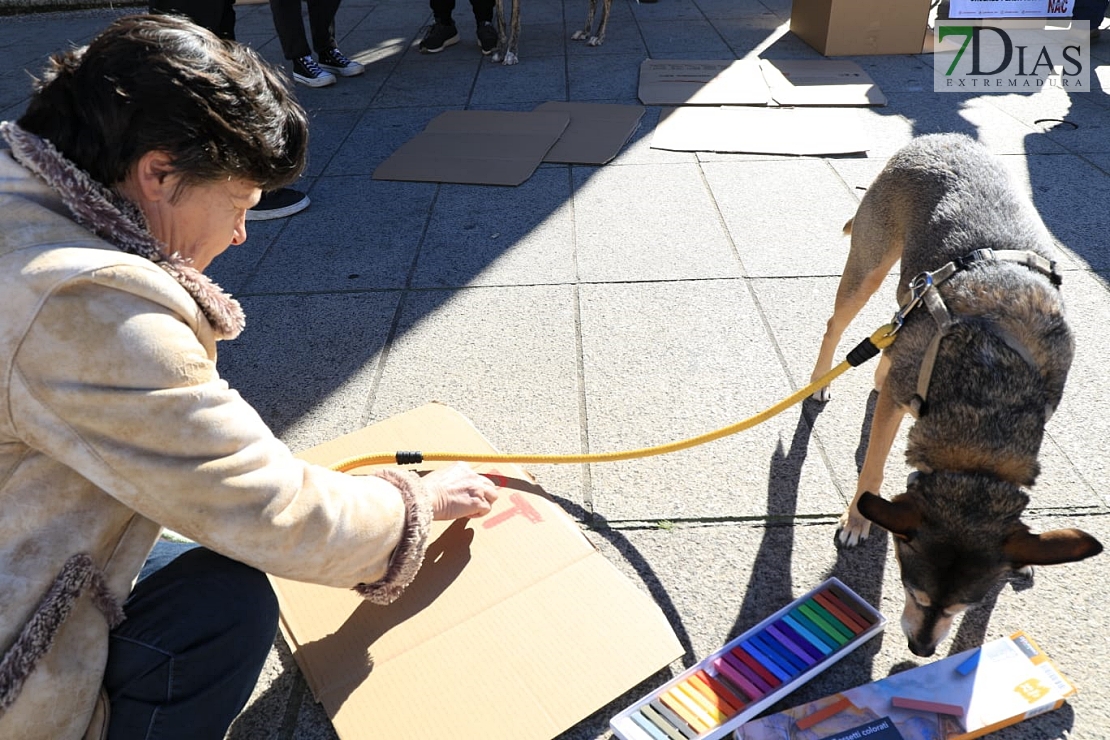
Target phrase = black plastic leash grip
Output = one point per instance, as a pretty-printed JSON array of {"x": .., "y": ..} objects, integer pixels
[
  {"x": 862, "y": 352},
  {"x": 409, "y": 457}
]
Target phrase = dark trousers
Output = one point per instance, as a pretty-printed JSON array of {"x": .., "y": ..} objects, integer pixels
[
  {"x": 290, "y": 26},
  {"x": 1090, "y": 10},
  {"x": 185, "y": 661},
  {"x": 218, "y": 16},
  {"x": 442, "y": 10}
]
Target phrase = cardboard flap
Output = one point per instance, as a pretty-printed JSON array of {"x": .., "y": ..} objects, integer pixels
[
  {"x": 476, "y": 147},
  {"x": 596, "y": 133},
  {"x": 801, "y": 131},
  {"x": 820, "y": 82},
  {"x": 702, "y": 82},
  {"x": 515, "y": 627}
]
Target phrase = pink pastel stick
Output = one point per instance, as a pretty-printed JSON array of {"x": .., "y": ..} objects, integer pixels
[{"x": 906, "y": 702}]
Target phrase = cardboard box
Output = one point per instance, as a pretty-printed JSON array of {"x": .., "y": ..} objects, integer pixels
[
  {"x": 515, "y": 628},
  {"x": 963, "y": 696},
  {"x": 702, "y": 82},
  {"x": 850, "y": 27}
]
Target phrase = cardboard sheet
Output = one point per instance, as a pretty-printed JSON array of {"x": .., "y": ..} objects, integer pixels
[
  {"x": 515, "y": 627},
  {"x": 596, "y": 133},
  {"x": 812, "y": 131},
  {"x": 480, "y": 147},
  {"x": 702, "y": 82},
  {"x": 820, "y": 82}
]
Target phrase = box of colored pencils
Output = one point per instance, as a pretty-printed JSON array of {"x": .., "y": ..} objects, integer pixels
[{"x": 753, "y": 671}]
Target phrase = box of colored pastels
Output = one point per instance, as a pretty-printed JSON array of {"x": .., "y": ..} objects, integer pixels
[{"x": 753, "y": 671}]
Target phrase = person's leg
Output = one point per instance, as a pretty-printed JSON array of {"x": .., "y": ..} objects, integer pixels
[
  {"x": 442, "y": 11},
  {"x": 483, "y": 10},
  {"x": 290, "y": 28},
  {"x": 218, "y": 16},
  {"x": 321, "y": 22},
  {"x": 184, "y": 663}
]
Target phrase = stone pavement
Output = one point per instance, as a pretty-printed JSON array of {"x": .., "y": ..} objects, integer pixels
[{"x": 660, "y": 296}]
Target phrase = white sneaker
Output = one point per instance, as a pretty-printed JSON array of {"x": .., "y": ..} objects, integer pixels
[{"x": 307, "y": 72}]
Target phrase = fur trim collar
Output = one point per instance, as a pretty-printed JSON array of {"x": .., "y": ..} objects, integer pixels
[{"x": 122, "y": 224}]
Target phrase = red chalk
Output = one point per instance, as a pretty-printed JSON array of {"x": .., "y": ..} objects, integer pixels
[{"x": 906, "y": 702}]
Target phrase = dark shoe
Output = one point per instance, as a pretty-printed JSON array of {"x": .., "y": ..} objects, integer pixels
[
  {"x": 487, "y": 37},
  {"x": 334, "y": 61},
  {"x": 307, "y": 72},
  {"x": 439, "y": 37},
  {"x": 278, "y": 204}
]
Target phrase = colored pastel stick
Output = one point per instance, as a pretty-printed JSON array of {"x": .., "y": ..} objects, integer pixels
[
  {"x": 746, "y": 670},
  {"x": 790, "y": 644},
  {"x": 814, "y": 631},
  {"x": 849, "y": 612},
  {"x": 663, "y": 723},
  {"x": 705, "y": 722},
  {"x": 831, "y": 620},
  {"x": 673, "y": 700},
  {"x": 776, "y": 654},
  {"x": 754, "y": 663},
  {"x": 970, "y": 664},
  {"x": 737, "y": 679},
  {"x": 800, "y": 640},
  {"x": 773, "y": 638},
  {"x": 817, "y": 618},
  {"x": 868, "y": 618},
  {"x": 715, "y": 716},
  {"x": 840, "y": 615},
  {"x": 677, "y": 722},
  {"x": 649, "y": 727},
  {"x": 724, "y": 693},
  {"x": 723, "y": 699},
  {"x": 921, "y": 705},
  {"x": 836, "y": 707}
]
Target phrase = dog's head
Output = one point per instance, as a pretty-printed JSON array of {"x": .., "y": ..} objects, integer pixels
[{"x": 956, "y": 536}]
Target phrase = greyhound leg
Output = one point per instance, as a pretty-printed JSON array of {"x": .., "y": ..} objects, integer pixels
[
  {"x": 513, "y": 40},
  {"x": 599, "y": 39},
  {"x": 588, "y": 28}
]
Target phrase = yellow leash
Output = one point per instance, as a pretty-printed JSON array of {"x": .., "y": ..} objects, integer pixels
[{"x": 865, "y": 350}]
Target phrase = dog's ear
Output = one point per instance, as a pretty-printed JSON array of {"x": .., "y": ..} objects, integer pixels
[
  {"x": 1050, "y": 548},
  {"x": 900, "y": 518}
]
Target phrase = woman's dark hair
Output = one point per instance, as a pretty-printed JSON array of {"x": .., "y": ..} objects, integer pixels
[{"x": 162, "y": 83}]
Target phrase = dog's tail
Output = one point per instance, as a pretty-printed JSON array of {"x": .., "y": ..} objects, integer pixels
[{"x": 848, "y": 227}]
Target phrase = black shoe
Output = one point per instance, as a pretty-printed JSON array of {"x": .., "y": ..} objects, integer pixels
[
  {"x": 278, "y": 204},
  {"x": 334, "y": 61},
  {"x": 307, "y": 72},
  {"x": 487, "y": 37},
  {"x": 439, "y": 37}
]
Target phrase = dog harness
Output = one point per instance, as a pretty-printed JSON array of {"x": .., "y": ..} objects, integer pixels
[{"x": 923, "y": 290}]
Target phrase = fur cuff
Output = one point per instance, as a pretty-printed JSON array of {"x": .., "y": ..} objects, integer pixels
[{"x": 409, "y": 555}]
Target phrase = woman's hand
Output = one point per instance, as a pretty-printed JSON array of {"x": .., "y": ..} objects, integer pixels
[{"x": 457, "y": 491}]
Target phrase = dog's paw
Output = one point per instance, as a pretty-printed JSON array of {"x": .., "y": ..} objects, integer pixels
[
  {"x": 510, "y": 58},
  {"x": 579, "y": 35},
  {"x": 822, "y": 395},
  {"x": 854, "y": 529},
  {"x": 594, "y": 41}
]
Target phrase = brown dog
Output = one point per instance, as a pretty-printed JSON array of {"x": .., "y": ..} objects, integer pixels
[
  {"x": 587, "y": 33},
  {"x": 980, "y": 358}
]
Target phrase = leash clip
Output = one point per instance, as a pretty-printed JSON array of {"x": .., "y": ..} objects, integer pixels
[{"x": 918, "y": 286}]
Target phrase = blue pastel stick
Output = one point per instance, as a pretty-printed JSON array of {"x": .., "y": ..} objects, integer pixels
[
  {"x": 789, "y": 643},
  {"x": 649, "y": 727},
  {"x": 970, "y": 664},
  {"x": 785, "y": 658},
  {"x": 814, "y": 629},
  {"x": 802, "y": 630},
  {"x": 765, "y": 660},
  {"x": 800, "y": 640}
]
